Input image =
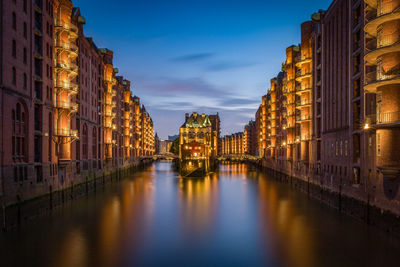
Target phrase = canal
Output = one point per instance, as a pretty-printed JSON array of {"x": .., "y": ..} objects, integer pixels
[{"x": 236, "y": 217}]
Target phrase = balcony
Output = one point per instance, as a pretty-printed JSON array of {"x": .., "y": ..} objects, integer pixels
[
  {"x": 111, "y": 91},
  {"x": 386, "y": 14},
  {"x": 111, "y": 81},
  {"x": 290, "y": 114},
  {"x": 300, "y": 60},
  {"x": 303, "y": 118},
  {"x": 71, "y": 68},
  {"x": 110, "y": 125},
  {"x": 372, "y": 3},
  {"x": 289, "y": 103},
  {"x": 64, "y": 132},
  {"x": 385, "y": 45},
  {"x": 375, "y": 79},
  {"x": 69, "y": 47},
  {"x": 72, "y": 107},
  {"x": 304, "y": 103},
  {"x": 70, "y": 87},
  {"x": 110, "y": 103},
  {"x": 382, "y": 120},
  {"x": 300, "y": 75},
  {"x": 60, "y": 25},
  {"x": 300, "y": 89},
  {"x": 110, "y": 114},
  {"x": 290, "y": 125},
  {"x": 109, "y": 141}
]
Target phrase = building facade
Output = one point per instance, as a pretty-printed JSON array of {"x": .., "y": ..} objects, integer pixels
[
  {"x": 165, "y": 146},
  {"x": 216, "y": 133},
  {"x": 332, "y": 113},
  {"x": 195, "y": 137},
  {"x": 65, "y": 115},
  {"x": 234, "y": 144}
]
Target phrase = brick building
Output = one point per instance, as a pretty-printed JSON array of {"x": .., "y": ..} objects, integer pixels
[
  {"x": 233, "y": 144},
  {"x": 335, "y": 106},
  {"x": 65, "y": 115}
]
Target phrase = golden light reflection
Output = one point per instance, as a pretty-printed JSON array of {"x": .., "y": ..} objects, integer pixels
[
  {"x": 125, "y": 219},
  {"x": 109, "y": 228},
  {"x": 73, "y": 251},
  {"x": 282, "y": 223},
  {"x": 197, "y": 198}
]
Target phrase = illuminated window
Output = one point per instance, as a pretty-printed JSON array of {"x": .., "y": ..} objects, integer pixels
[
  {"x": 341, "y": 148},
  {"x": 337, "y": 148}
]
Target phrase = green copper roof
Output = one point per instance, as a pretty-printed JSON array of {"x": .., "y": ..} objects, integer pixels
[{"x": 197, "y": 121}]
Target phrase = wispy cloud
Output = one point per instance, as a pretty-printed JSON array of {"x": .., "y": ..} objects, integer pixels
[
  {"x": 226, "y": 65},
  {"x": 175, "y": 87},
  {"x": 170, "y": 98},
  {"x": 192, "y": 57},
  {"x": 239, "y": 101}
]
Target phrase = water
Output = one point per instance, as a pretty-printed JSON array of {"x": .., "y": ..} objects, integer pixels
[{"x": 236, "y": 217}]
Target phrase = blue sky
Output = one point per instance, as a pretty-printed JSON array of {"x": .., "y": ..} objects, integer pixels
[{"x": 198, "y": 55}]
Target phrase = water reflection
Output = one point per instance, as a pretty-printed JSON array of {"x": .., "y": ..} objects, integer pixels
[
  {"x": 283, "y": 225},
  {"x": 197, "y": 199},
  {"x": 73, "y": 250},
  {"x": 235, "y": 217}
]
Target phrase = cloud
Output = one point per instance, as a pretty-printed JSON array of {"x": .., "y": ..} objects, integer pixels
[
  {"x": 168, "y": 99},
  {"x": 175, "y": 87},
  {"x": 239, "y": 101},
  {"x": 226, "y": 65},
  {"x": 192, "y": 57}
]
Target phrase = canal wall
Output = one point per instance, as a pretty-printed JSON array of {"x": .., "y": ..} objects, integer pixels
[
  {"x": 359, "y": 206},
  {"x": 22, "y": 212}
]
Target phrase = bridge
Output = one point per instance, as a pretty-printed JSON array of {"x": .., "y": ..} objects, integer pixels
[
  {"x": 229, "y": 157},
  {"x": 238, "y": 158},
  {"x": 161, "y": 157}
]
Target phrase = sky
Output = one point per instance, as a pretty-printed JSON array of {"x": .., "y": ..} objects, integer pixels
[{"x": 207, "y": 56}]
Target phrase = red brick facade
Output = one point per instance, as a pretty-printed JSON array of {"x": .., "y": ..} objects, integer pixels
[
  {"x": 341, "y": 87},
  {"x": 65, "y": 115}
]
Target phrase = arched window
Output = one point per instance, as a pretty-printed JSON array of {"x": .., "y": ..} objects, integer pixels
[
  {"x": 85, "y": 141},
  {"x": 19, "y": 133},
  {"x": 94, "y": 144}
]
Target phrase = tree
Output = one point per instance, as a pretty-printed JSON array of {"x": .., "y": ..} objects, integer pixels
[{"x": 175, "y": 147}]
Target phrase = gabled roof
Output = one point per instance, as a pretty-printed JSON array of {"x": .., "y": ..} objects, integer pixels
[{"x": 197, "y": 121}]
